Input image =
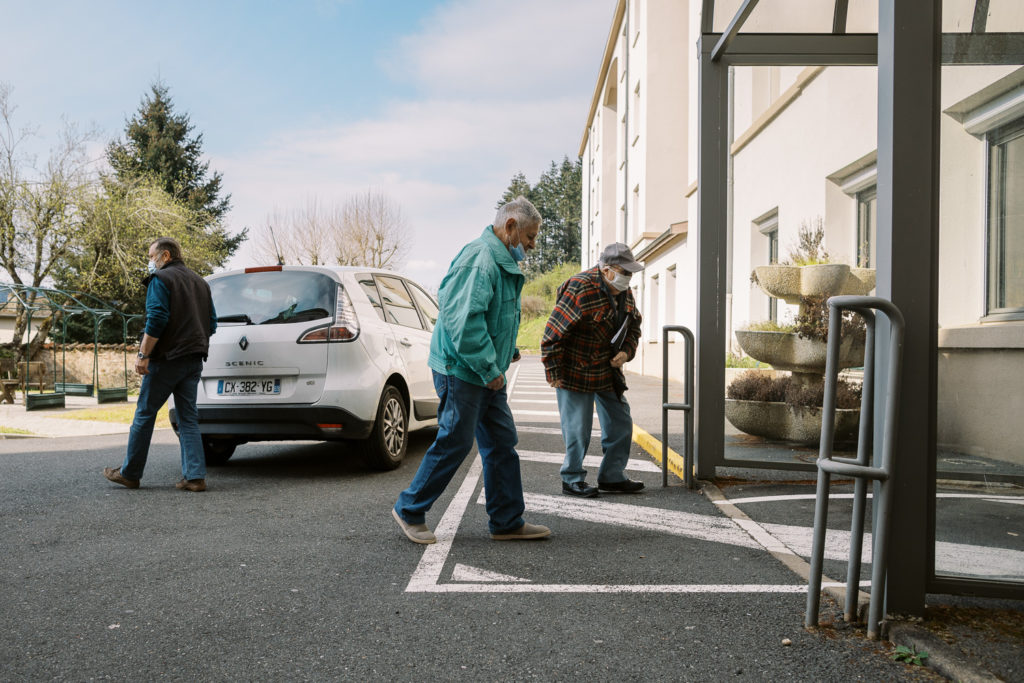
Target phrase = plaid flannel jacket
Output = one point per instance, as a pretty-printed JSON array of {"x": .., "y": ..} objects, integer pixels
[{"x": 576, "y": 347}]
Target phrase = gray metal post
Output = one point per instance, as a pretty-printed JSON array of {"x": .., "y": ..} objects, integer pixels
[
  {"x": 709, "y": 400},
  {"x": 860, "y": 486},
  {"x": 828, "y": 466},
  {"x": 909, "y": 55},
  {"x": 686, "y": 405}
]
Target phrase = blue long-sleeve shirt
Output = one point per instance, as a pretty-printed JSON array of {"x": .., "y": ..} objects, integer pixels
[{"x": 158, "y": 309}]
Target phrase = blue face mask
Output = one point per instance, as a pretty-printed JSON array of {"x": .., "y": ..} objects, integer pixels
[
  {"x": 151, "y": 267},
  {"x": 518, "y": 253}
]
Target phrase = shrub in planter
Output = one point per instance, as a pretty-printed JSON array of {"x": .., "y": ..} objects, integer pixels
[
  {"x": 812, "y": 321},
  {"x": 756, "y": 386}
]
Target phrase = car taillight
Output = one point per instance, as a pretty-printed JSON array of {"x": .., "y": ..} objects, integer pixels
[{"x": 345, "y": 327}]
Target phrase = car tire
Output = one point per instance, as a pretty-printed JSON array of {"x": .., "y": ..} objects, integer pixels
[
  {"x": 218, "y": 451},
  {"x": 390, "y": 435}
]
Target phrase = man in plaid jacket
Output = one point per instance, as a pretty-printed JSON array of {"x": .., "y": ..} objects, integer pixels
[{"x": 593, "y": 330}]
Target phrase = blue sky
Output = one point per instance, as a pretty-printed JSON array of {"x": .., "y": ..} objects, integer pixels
[{"x": 436, "y": 103}]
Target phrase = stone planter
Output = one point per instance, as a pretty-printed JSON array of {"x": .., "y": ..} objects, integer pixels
[
  {"x": 860, "y": 282},
  {"x": 787, "y": 351},
  {"x": 824, "y": 279},
  {"x": 782, "y": 282},
  {"x": 783, "y": 422}
]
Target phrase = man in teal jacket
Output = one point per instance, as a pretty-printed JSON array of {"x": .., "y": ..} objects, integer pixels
[{"x": 472, "y": 347}]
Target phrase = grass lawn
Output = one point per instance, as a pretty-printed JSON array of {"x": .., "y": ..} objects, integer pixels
[
  {"x": 530, "y": 332},
  {"x": 13, "y": 430},
  {"x": 118, "y": 413}
]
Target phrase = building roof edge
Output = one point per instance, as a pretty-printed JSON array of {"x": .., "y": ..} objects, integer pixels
[{"x": 609, "y": 49}]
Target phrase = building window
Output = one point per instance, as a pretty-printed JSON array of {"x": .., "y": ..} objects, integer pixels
[
  {"x": 652, "y": 308},
  {"x": 867, "y": 226},
  {"x": 636, "y": 114},
  {"x": 670, "y": 296},
  {"x": 769, "y": 227},
  {"x": 1005, "y": 267}
]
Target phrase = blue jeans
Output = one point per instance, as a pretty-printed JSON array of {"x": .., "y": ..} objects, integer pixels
[
  {"x": 467, "y": 410},
  {"x": 576, "y": 409},
  {"x": 181, "y": 378}
]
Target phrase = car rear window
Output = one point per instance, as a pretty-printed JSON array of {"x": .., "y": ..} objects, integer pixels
[{"x": 274, "y": 297}]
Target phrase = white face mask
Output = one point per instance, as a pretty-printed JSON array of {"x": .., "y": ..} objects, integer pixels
[{"x": 619, "y": 281}]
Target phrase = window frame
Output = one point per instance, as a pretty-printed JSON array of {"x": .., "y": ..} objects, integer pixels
[
  {"x": 864, "y": 233},
  {"x": 995, "y": 223},
  {"x": 377, "y": 277}
]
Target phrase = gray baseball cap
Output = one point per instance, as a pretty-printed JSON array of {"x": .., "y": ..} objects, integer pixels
[{"x": 618, "y": 254}]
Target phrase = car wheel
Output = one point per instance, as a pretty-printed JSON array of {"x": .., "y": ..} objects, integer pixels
[
  {"x": 390, "y": 433},
  {"x": 218, "y": 451}
]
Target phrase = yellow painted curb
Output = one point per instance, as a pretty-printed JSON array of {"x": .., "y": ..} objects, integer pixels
[{"x": 676, "y": 463}]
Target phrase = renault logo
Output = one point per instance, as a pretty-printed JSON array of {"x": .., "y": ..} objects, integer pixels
[{"x": 244, "y": 343}]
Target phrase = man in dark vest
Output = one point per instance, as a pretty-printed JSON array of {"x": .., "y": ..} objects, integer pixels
[{"x": 179, "y": 322}]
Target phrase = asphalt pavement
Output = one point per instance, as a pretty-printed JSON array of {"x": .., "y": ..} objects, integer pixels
[{"x": 291, "y": 568}]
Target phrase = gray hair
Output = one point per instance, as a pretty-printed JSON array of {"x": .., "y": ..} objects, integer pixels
[{"x": 521, "y": 209}]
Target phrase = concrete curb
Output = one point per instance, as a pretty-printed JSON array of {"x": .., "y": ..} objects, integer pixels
[{"x": 941, "y": 657}]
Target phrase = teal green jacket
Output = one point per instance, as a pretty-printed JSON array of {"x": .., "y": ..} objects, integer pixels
[{"x": 475, "y": 335}]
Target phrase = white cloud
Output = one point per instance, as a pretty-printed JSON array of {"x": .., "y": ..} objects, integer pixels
[
  {"x": 484, "y": 112},
  {"x": 506, "y": 50}
]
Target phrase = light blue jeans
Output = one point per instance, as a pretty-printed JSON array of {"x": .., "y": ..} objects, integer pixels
[
  {"x": 467, "y": 410},
  {"x": 576, "y": 409},
  {"x": 181, "y": 378}
]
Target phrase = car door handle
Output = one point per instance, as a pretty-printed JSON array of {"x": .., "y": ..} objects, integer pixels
[{"x": 404, "y": 341}]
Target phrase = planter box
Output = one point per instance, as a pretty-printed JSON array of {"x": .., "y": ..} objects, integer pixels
[
  {"x": 783, "y": 422},
  {"x": 787, "y": 351}
]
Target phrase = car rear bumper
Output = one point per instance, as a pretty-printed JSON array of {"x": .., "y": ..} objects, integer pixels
[{"x": 279, "y": 422}]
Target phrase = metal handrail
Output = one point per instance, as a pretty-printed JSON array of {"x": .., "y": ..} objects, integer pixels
[
  {"x": 686, "y": 406},
  {"x": 858, "y": 468}
]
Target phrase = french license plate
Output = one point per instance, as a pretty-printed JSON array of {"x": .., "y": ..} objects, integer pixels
[{"x": 248, "y": 387}]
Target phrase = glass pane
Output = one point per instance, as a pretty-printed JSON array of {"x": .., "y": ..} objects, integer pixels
[
  {"x": 979, "y": 511},
  {"x": 797, "y": 179},
  {"x": 274, "y": 297},
  {"x": 426, "y": 305},
  {"x": 398, "y": 306},
  {"x": 862, "y": 16},
  {"x": 792, "y": 16},
  {"x": 1006, "y": 221},
  {"x": 366, "y": 282},
  {"x": 1005, "y": 16}
]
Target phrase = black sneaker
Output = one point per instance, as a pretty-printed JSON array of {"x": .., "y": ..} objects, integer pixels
[
  {"x": 579, "y": 488},
  {"x": 625, "y": 486}
]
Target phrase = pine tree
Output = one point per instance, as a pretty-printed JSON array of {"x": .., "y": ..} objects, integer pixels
[
  {"x": 159, "y": 144},
  {"x": 557, "y": 196}
]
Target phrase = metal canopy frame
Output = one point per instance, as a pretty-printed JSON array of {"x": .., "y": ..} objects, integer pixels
[
  {"x": 908, "y": 51},
  {"x": 67, "y": 304}
]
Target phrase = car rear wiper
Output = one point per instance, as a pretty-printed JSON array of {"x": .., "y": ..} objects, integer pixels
[
  {"x": 235, "y": 318},
  {"x": 290, "y": 316}
]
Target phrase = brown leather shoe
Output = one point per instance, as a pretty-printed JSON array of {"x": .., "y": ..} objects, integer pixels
[
  {"x": 191, "y": 485},
  {"x": 114, "y": 475}
]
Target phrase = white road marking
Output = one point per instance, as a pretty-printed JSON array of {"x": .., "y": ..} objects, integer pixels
[
  {"x": 547, "y": 413},
  {"x": 963, "y": 558},
  {"x": 616, "y": 588},
  {"x": 686, "y": 524},
  {"x": 535, "y": 401},
  {"x": 428, "y": 572},
  {"x": 589, "y": 461},
  {"x": 463, "y": 572},
  {"x": 557, "y": 431},
  {"x": 1016, "y": 500}
]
